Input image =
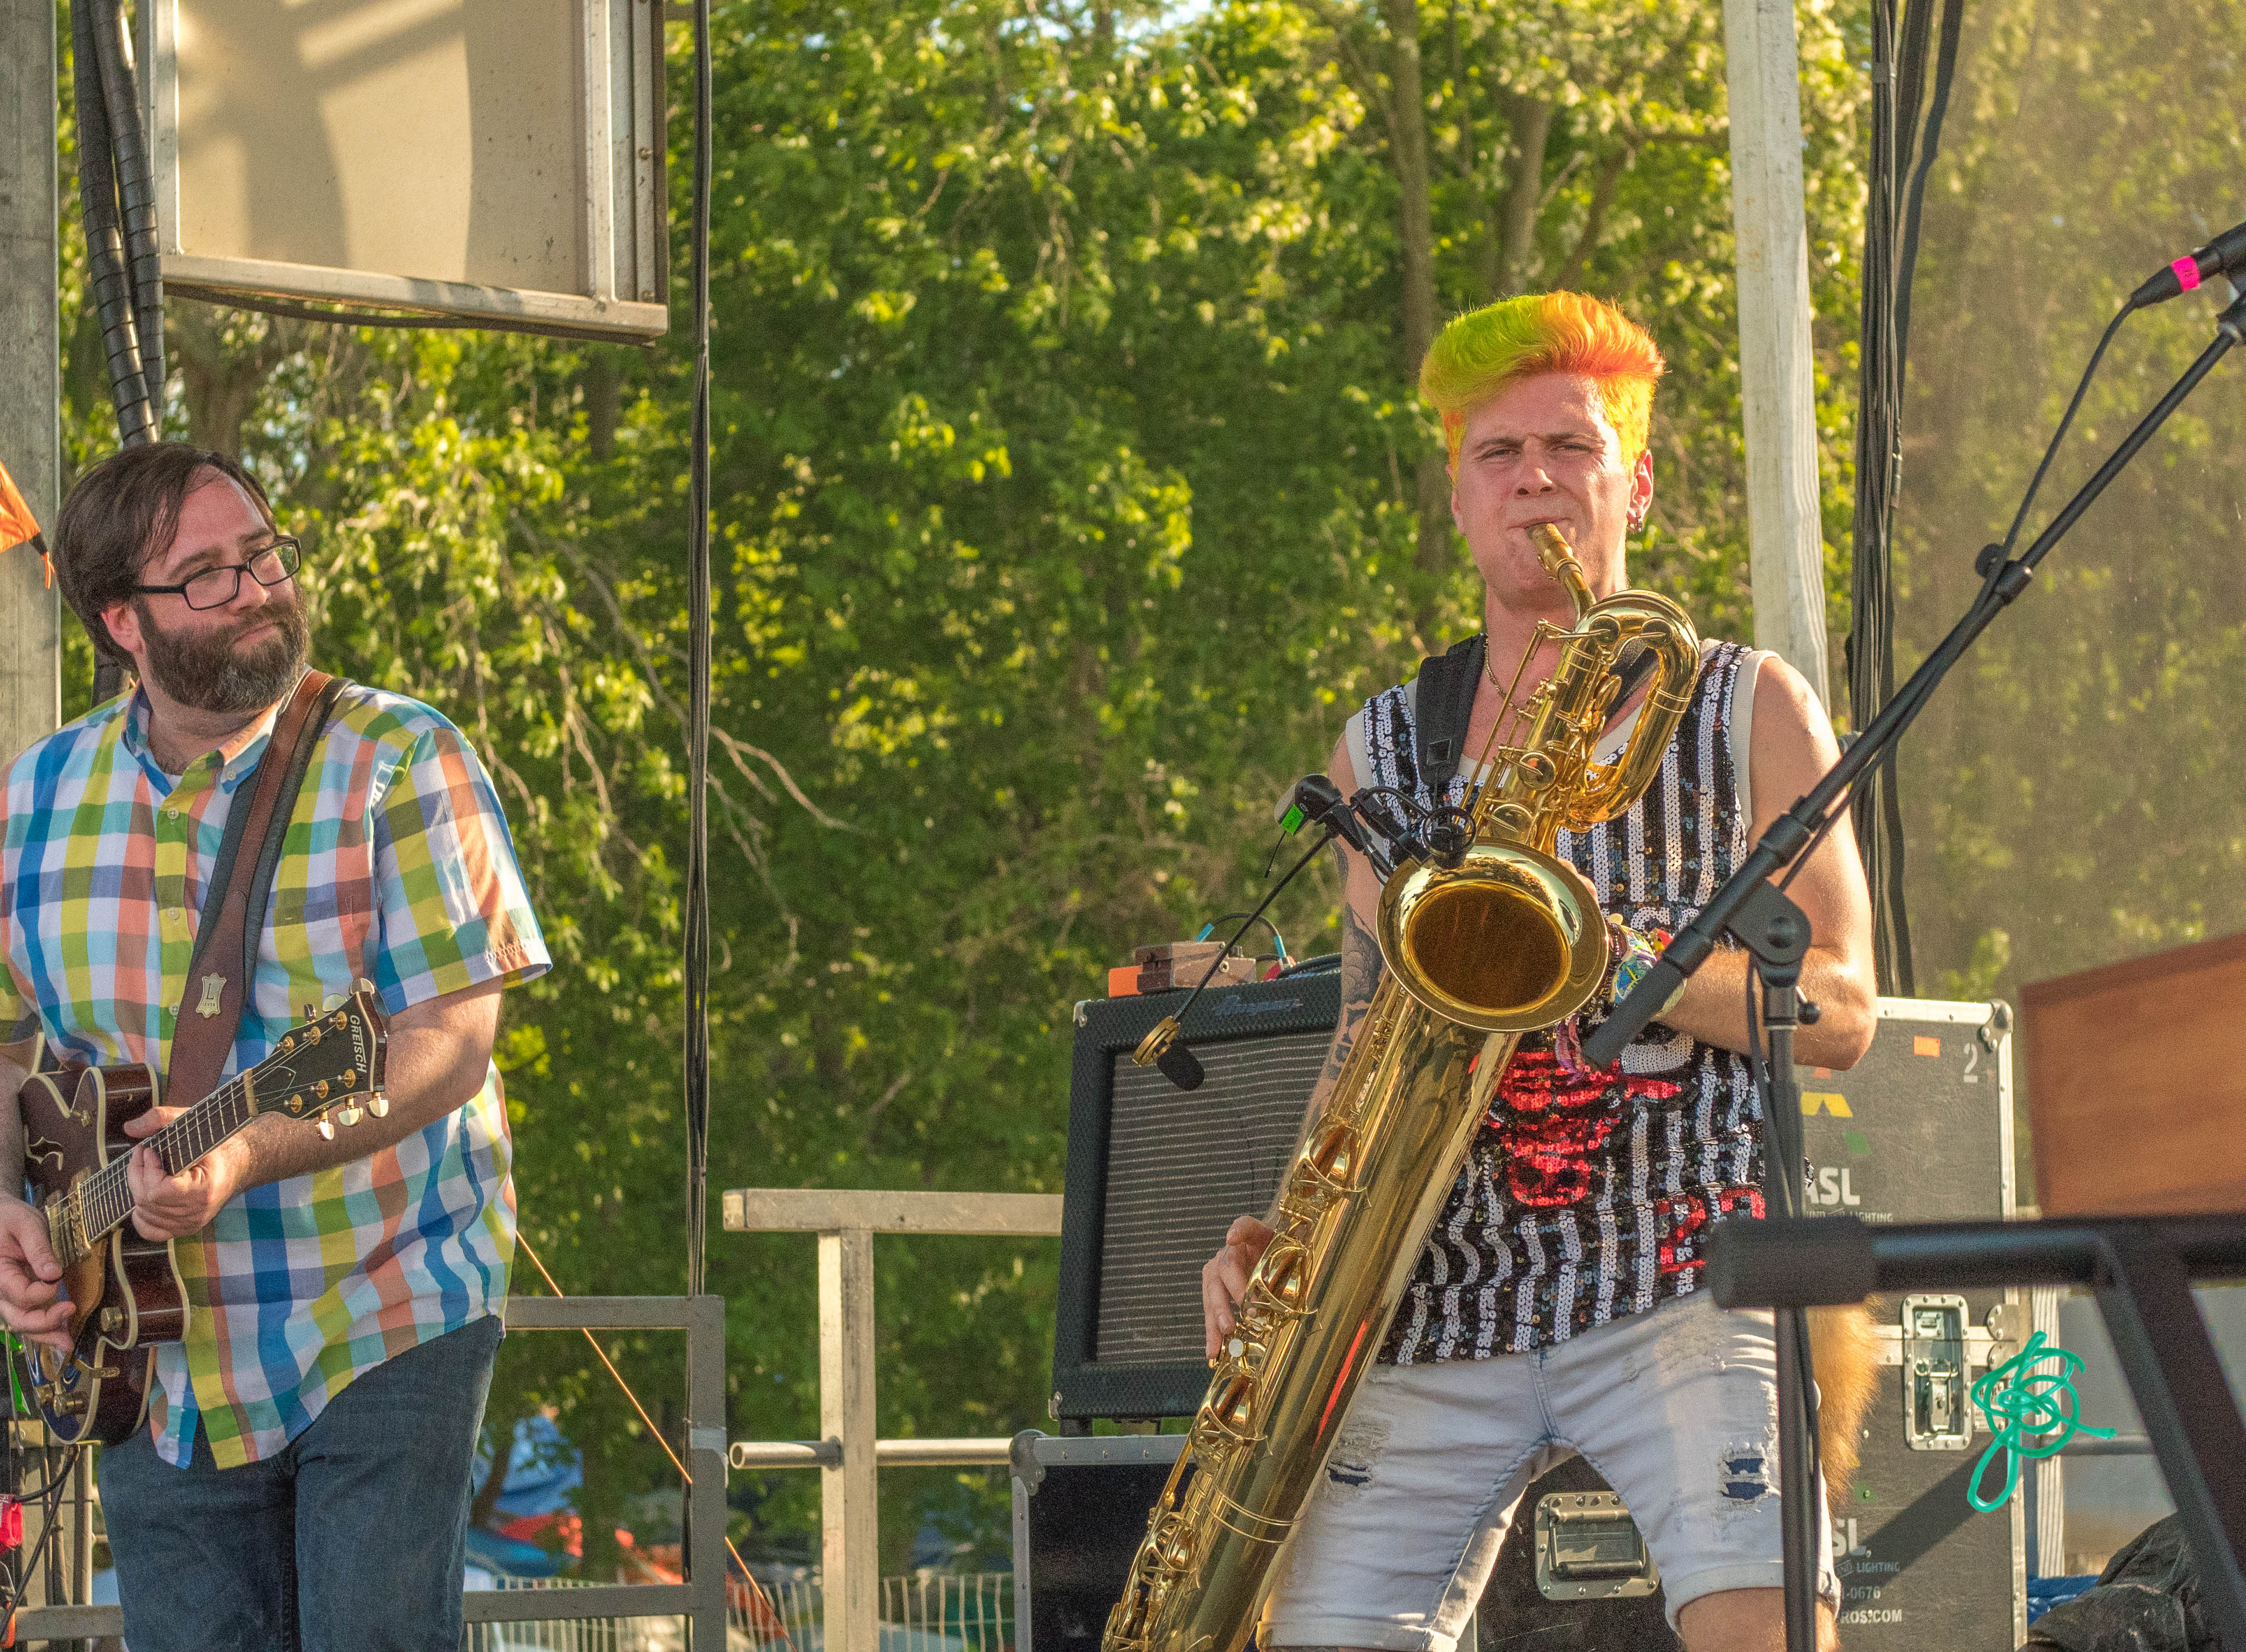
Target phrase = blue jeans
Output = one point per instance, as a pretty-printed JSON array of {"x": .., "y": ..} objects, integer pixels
[{"x": 349, "y": 1540}]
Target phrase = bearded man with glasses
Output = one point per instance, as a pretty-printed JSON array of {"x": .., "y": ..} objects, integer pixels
[{"x": 303, "y": 1480}]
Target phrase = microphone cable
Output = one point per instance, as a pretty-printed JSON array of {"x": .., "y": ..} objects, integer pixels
[{"x": 1990, "y": 565}]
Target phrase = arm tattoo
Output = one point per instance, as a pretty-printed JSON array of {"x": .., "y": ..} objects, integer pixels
[{"x": 1360, "y": 974}]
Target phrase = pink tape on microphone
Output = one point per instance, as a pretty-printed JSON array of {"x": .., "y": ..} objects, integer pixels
[{"x": 2187, "y": 271}]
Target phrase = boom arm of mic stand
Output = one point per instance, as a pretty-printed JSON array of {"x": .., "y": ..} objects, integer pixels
[{"x": 1791, "y": 833}]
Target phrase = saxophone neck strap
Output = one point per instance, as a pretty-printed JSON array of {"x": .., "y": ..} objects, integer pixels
[{"x": 1447, "y": 684}]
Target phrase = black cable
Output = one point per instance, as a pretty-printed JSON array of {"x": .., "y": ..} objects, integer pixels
[
  {"x": 1278, "y": 939},
  {"x": 2081, "y": 388},
  {"x": 137, "y": 193},
  {"x": 1262, "y": 906},
  {"x": 697, "y": 922},
  {"x": 108, "y": 276},
  {"x": 117, "y": 307},
  {"x": 1930, "y": 146},
  {"x": 1869, "y": 650},
  {"x": 50, "y": 1515}
]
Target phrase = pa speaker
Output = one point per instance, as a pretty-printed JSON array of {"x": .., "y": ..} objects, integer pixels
[{"x": 1156, "y": 1174}]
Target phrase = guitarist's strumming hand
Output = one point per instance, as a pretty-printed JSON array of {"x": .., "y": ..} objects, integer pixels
[
  {"x": 174, "y": 1207},
  {"x": 30, "y": 1279}
]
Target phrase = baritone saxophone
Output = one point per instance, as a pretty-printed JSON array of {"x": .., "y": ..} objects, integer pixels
[{"x": 1507, "y": 939}]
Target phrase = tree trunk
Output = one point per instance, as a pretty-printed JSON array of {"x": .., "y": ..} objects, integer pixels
[
  {"x": 1602, "y": 194},
  {"x": 221, "y": 387},
  {"x": 603, "y": 382},
  {"x": 1513, "y": 237},
  {"x": 1407, "y": 146}
]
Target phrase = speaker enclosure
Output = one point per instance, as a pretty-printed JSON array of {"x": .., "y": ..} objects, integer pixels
[{"x": 1155, "y": 1175}]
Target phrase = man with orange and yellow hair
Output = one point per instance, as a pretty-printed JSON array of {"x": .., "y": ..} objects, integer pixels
[{"x": 1555, "y": 1309}]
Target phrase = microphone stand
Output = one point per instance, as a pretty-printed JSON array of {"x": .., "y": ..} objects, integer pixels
[{"x": 1751, "y": 909}]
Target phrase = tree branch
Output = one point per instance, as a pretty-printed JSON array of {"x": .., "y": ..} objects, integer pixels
[{"x": 1602, "y": 194}]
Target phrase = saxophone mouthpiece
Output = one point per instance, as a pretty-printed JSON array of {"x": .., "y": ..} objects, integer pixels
[
  {"x": 1161, "y": 1049},
  {"x": 1551, "y": 546},
  {"x": 1559, "y": 559}
]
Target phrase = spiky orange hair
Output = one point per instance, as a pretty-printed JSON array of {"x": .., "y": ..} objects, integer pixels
[{"x": 1486, "y": 350}]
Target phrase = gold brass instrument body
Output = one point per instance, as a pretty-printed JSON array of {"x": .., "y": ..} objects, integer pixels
[{"x": 1508, "y": 940}]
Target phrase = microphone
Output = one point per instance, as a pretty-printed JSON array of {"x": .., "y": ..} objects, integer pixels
[
  {"x": 1317, "y": 799},
  {"x": 1163, "y": 1050},
  {"x": 2225, "y": 253}
]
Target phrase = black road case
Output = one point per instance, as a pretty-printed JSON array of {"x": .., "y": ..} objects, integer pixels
[{"x": 1921, "y": 1130}]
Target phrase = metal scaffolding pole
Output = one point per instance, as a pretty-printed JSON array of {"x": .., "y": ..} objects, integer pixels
[
  {"x": 850, "y": 1455},
  {"x": 30, "y": 390},
  {"x": 1777, "y": 377}
]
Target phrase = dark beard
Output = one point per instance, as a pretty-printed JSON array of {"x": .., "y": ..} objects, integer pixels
[{"x": 212, "y": 673}]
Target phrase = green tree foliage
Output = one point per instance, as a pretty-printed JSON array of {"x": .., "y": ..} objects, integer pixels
[
  {"x": 1070, "y": 490},
  {"x": 2071, "y": 798}
]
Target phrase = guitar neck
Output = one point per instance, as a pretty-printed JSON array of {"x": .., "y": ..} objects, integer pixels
[{"x": 106, "y": 1197}]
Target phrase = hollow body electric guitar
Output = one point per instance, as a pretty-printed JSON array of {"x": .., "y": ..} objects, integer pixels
[{"x": 125, "y": 1291}]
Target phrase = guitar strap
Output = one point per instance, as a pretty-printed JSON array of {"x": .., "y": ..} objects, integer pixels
[{"x": 224, "y": 963}]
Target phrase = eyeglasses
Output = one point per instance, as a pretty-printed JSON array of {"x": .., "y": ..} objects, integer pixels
[{"x": 216, "y": 587}]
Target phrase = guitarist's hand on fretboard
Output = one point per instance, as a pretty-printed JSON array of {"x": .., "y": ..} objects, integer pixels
[
  {"x": 29, "y": 1274},
  {"x": 167, "y": 1207}
]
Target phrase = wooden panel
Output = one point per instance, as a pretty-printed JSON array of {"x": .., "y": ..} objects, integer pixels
[{"x": 2136, "y": 1091}]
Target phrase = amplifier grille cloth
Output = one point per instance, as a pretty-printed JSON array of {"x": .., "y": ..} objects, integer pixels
[{"x": 1181, "y": 1165}]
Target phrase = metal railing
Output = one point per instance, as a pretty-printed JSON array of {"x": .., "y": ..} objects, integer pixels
[
  {"x": 700, "y": 1598},
  {"x": 926, "y": 1612},
  {"x": 945, "y": 1612},
  {"x": 849, "y": 1456},
  {"x": 546, "y": 1634}
]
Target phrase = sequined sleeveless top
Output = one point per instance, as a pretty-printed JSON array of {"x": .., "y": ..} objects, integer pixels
[{"x": 1584, "y": 1198}]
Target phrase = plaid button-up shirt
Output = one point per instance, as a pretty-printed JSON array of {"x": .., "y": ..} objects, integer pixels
[{"x": 397, "y": 868}]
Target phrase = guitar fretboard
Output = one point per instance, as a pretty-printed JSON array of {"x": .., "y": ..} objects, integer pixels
[{"x": 108, "y": 1199}]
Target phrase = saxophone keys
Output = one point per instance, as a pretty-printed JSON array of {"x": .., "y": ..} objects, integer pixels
[
  {"x": 1285, "y": 1278},
  {"x": 1334, "y": 1156}
]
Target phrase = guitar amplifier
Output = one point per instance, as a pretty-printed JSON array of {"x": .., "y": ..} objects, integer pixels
[{"x": 1156, "y": 1174}]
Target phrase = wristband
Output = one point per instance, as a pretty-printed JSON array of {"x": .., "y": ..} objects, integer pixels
[{"x": 1631, "y": 953}]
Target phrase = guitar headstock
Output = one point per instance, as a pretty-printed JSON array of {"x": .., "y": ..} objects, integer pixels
[{"x": 333, "y": 1063}]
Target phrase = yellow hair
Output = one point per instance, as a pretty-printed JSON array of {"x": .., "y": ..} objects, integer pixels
[{"x": 1483, "y": 351}]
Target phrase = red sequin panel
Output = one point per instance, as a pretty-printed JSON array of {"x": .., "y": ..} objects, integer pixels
[
  {"x": 1681, "y": 1220},
  {"x": 1551, "y": 1120},
  {"x": 1740, "y": 1202}
]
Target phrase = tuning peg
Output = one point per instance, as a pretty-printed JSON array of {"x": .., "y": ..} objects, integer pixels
[
  {"x": 311, "y": 1012},
  {"x": 348, "y": 1116},
  {"x": 378, "y": 1104},
  {"x": 362, "y": 985},
  {"x": 327, "y": 1129}
]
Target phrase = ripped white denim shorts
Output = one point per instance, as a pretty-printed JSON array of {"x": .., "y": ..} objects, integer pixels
[{"x": 1675, "y": 1408}]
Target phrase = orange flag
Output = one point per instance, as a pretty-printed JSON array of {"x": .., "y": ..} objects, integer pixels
[{"x": 17, "y": 525}]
